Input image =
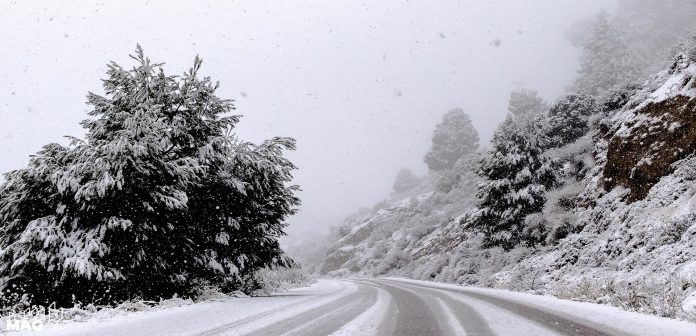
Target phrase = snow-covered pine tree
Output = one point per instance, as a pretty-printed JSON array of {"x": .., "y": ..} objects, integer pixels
[
  {"x": 157, "y": 199},
  {"x": 461, "y": 176},
  {"x": 241, "y": 207},
  {"x": 405, "y": 180},
  {"x": 606, "y": 60},
  {"x": 453, "y": 138},
  {"x": 525, "y": 104},
  {"x": 516, "y": 176},
  {"x": 653, "y": 28},
  {"x": 567, "y": 119}
]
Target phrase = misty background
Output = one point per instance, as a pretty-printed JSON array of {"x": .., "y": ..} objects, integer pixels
[{"x": 360, "y": 85}]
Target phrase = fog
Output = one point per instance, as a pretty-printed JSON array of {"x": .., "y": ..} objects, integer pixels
[{"x": 360, "y": 85}]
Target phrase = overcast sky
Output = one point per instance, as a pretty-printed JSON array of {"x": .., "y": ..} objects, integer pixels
[{"x": 360, "y": 84}]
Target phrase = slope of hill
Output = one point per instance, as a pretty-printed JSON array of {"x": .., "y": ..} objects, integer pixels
[{"x": 619, "y": 230}]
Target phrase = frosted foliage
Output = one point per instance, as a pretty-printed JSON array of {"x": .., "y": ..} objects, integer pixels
[
  {"x": 516, "y": 179},
  {"x": 405, "y": 180},
  {"x": 654, "y": 27},
  {"x": 156, "y": 198},
  {"x": 453, "y": 138},
  {"x": 385, "y": 239},
  {"x": 568, "y": 118},
  {"x": 606, "y": 59},
  {"x": 544, "y": 222},
  {"x": 524, "y": 104}
]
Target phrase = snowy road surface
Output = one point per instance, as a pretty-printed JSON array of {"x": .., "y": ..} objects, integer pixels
[{"x": 383, "y": 307}]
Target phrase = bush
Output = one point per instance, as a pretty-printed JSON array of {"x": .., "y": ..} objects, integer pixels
[
  {"x": 535, "y": 229},
  {"x": 567, "y": 120},
  {"x": 655, "y": 295},
  {"x": 270, "y": 280},
  {"x": 395, "y": 259}
]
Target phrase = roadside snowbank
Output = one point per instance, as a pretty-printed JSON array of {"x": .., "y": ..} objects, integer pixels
[{"x": 194, "y": 318}]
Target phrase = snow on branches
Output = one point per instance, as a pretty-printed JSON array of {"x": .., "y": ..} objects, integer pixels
[{"x": 157, "y": 199}]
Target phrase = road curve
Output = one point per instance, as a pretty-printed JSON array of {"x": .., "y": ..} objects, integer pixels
[
  {"x": 377, "y": 306},
  {"x": 411, "y": 315},
  {"x": 414, "y": 309},
  {"x": 453, "y": 317}
]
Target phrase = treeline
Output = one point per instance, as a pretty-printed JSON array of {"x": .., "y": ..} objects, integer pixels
[{"x": 542, "y": 151}]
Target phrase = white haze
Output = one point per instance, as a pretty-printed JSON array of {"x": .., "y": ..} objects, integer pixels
[{"x": 360, "y": 85}]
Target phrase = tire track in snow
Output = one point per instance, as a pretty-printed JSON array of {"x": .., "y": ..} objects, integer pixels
[
  {"x": 480, "y": 318},
  {"x": 252, "y": 322},
  {"x": 325, "y": 319},
  {"x": 565, "y": 325},
  {"x": 456, "y": 328},
  {"x": 457, "y": 317},
  {"x": 410, "y": 315},
  {"x": 367, "y": 323}
]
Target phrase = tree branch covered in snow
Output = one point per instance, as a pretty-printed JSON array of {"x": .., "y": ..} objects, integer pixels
[{"x": 159, "y": 198}]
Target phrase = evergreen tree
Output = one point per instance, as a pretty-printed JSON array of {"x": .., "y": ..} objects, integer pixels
[
  {"x": 405, "y": 181},
  {"x": 525, "y": 104},
  {"x": 159, "y": 198},
  {"x": 461, "y": 176},
  {"x": 617, "y": 97},
  {"x": 606, "y": 60},
  {"x": 653, "y": 28},
  {"x": 516, "y": 176},
  {"x": 453, "y": 138},
  {"x": 567, "y": 120}
]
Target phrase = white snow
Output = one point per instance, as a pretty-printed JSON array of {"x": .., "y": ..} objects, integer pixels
[
  {"x": 689, "y": 304},
  {"x": 501, "y": 321},
  {"x": 367, "y": 323},
  {"x": 602, "y": 315},
  {"x": 674, "y": 126},
  {"x": 676, "y": 84},
  {"x": 244, "y": 315},
  {"x": 196, "y": 318},
  {"x": 453, "y": 324}
]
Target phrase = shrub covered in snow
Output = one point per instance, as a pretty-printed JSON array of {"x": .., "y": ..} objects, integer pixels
[
  {"x": 270, "y": 280},
  {"x": 567, "y": 120},
  {"x": 405, "y": 180},
  {"x": 395, "y": 259}
]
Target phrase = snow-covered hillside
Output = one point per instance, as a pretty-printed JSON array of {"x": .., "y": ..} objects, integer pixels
[
  {"x": 618, "y": 228},
  {"x": 376, "y": 243}
]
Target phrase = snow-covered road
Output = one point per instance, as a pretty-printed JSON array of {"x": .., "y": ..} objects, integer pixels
[{"x": 383, "y": 307}]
